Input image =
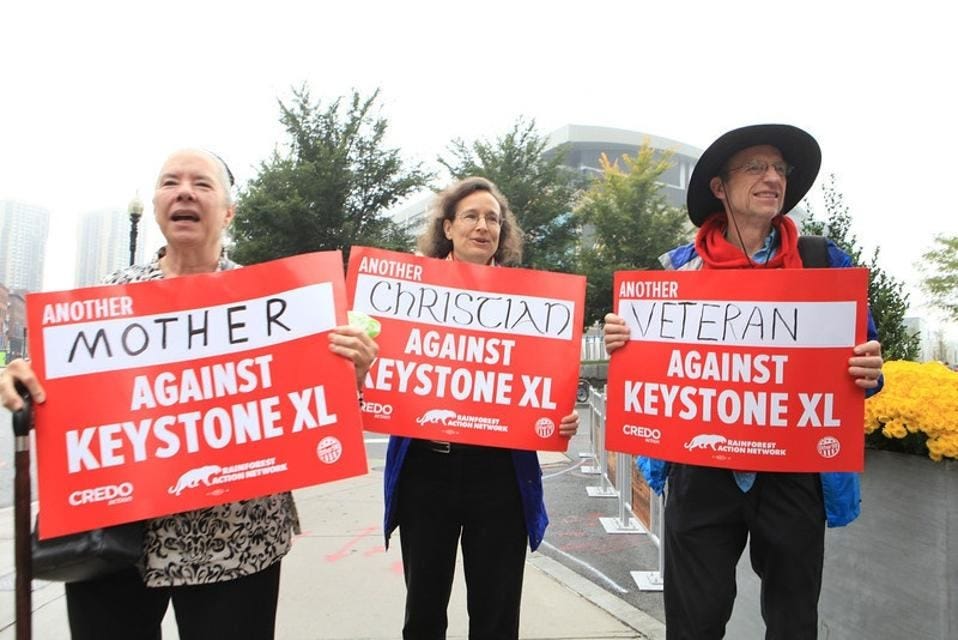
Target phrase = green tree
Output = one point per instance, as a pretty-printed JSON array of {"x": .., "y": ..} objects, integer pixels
[
  {"x": 940, "y": 267},
  {"x": 328, "y": 187},
  {"x": 628, "y": 224},
  {"x": 887, "y": 299},
  {"x": 541, "y": 190}
]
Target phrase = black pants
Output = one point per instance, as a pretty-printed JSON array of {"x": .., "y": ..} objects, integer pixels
[
  {"x": 472, "y": 492},
  {"x": 121, "y": 607},
  {"x": 707, "y": 521}
]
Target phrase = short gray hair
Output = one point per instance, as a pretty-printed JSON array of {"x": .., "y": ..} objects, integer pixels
[
  {"x": 223, "y": 173},
  {"x": 225, "y": 176}
]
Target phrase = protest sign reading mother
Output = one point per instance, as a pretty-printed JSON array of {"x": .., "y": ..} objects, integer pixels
[
  {"x": 469, "y": 353},
  {"x": 743, "y": 373},
  {"x": 177, "y": 394}
]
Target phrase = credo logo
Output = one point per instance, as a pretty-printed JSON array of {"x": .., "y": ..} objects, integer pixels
[
  {"x": 641, "y": 432},
  {"x": 329, "y": 449},
  {"x": 378, "y": 410},
  {"x": 828, "y": 447},
  {"x": 545, "y": 427},
  {"x": 102, "y": 494}
]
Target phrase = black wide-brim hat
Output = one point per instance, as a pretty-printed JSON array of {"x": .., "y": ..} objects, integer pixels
[{"x": 797, "y": 147}]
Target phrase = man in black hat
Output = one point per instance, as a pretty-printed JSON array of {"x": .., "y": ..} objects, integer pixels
[{"x": 740, "y": 190}]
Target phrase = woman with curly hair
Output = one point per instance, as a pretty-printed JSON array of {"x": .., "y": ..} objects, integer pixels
[{"x": 439, "y": 493}]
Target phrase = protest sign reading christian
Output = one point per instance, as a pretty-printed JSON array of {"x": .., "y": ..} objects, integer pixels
[
  {"x": 743, "y": 371},
  {"x": 467, "y": 353},
  {"x": 171, "y": 395}
]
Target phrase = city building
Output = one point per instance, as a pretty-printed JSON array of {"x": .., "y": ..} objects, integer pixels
[
  {"x": 584, "y": 145},
  {"x": 13, "y": 323},
  {"x": 4, "y": 338},
  {"x": 103, "y": 245},
  {"x": 411, "y": 215},
  {"x": 23, "y": 238},
  {"x": 935, "y": 342}
]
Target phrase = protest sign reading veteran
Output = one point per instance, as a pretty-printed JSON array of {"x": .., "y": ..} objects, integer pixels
[
  {"x": 171, "y": 395},
  {"x": 468, "y": 353},
  {"x": 744, "y": 371}
]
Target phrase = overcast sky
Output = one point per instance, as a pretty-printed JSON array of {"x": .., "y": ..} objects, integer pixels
[{"x": 96, "y": 94}]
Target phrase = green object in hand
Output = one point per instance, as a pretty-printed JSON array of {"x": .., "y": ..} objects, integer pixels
[{"x": 362, "y": 321}]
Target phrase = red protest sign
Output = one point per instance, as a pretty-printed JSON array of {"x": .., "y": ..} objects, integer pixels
[
  {"x": 172, "y": 395},
  {"x": 743, "y": 371},
  {"x": 468, "y": 353}
]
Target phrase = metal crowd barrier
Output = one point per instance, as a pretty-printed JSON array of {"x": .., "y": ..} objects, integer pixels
[
  {"x": 600, "y": 466},
  {"x": 593, "y": 349},
  {"x": 596, "y": 435},
  {"x": 625, "y": 522},
  {"x": 652, "y": 580}
]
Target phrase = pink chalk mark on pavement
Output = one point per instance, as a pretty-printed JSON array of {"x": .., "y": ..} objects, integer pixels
[{"x": 345, "y": 550}]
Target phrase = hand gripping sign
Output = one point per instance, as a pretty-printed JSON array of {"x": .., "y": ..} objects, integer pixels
[
  {"x": 171, "y": 395},
  {"x": 740, "y": 370},
  {"x": 467, "y": 353}
]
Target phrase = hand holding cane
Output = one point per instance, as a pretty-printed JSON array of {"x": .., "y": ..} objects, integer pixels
[{"x": 22, "y": 423}]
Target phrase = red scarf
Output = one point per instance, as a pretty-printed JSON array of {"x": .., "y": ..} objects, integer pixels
[{"x": 718, "y": 253}]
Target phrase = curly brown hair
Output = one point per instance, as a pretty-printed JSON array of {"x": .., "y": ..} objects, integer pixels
[{"x": 433, "y": 241}]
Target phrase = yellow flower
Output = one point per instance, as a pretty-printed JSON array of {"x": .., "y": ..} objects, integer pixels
[{"x": 917, "y": 398}]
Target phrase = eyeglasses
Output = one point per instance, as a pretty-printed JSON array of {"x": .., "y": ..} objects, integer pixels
[
  {"x": 471, "y": 219},
  {"x": 759, "y": 167}
]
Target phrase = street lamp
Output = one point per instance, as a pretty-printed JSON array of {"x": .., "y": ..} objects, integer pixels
[{"x": 136, "y": 212}]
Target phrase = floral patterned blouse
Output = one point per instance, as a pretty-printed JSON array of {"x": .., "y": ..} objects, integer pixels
[{"x": 218, "y": 543}]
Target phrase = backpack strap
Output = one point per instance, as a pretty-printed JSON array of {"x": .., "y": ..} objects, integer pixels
[{"x": 814, "y": 251}]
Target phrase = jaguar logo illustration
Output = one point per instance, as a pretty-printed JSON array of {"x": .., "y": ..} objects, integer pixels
[
  {"x": 434, "y": 416},
  {"x": 704, "y": 440},
  {"x": 192, "y": 478}
]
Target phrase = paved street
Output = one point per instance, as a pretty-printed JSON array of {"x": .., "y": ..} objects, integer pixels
[
  {"x": 6, "y": 461},
  {"x": 340, "y": 583},
  {"x": 892, "y": 574}
]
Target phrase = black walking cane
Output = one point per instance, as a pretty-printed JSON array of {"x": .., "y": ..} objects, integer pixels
[{"x": 22, "y": 423}]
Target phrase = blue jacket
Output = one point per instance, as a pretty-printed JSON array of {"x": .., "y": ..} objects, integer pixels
[
  {"x": 841, "y": 491},
  {"x": 528, "y": 475}
]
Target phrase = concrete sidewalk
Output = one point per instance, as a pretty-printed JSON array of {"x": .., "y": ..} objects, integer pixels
[{"x": 340, "y": 583}]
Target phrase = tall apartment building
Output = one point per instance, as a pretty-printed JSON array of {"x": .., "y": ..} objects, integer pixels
[
  {"x": 13, "y": 310},
  {"x": 23, "y": 238},
  {"x": 4, "y": 324},
  {"x": 103, "y": 245}
]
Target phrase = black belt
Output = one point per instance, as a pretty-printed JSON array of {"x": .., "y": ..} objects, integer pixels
[{"x": 436, "y": 446}]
